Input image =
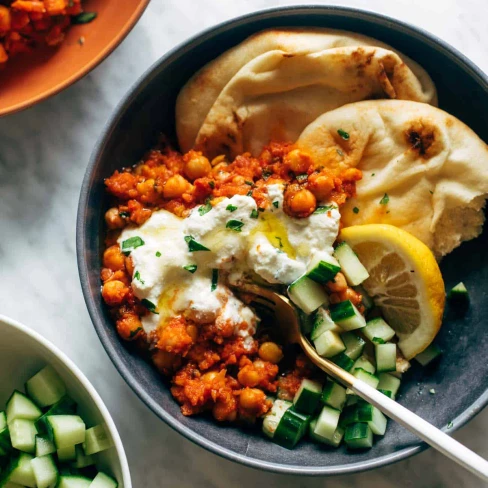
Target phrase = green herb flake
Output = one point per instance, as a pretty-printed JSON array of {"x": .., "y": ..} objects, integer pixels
[
  {"x": 130, "y": 244},
  {"x": 250, "y": 183},
  {"x": 355, "y": 210},
  {"x": 194, "y": 246},
  {"x": 378, "y": 340},
  {"x": 279, "y": 241},
  {"x": 231, "y": 208},
  {"x": 302, "y": 178},
  {"x": 124, "y": 215},
  {"x": 339, "y": 152},
  {"x": 261, "y": 209},
  {"x": 324, "y": 208},
  {"x": 83, "y": 18},
  {"x": 137, "y": 276},
  {"x": 249, "y": 193},
  {"x": 134, "y": 332},
  {"x": 385, "y": 199},
  {"x": 343, "y": 134},
  {"x": 203, "y": 209},
  {"x": 450, "y": 425},
  {"x": 149, "y": 305},
  {"x": 254, "y": 214},
  {"x": 211, "y": 184},
  {"x": 276, "y": 204},
  {"x": 431, "y": 192},
  {"x": 235, "y": 225},
  {"x": 215, "y": 279},
  {"x": 432, "y": 391},
  {"x": 190, "y": 267},
  {"x": 373, "y": 174},
  {"x": 158, "y": 254},
  {"x": 266, "y": 174}
]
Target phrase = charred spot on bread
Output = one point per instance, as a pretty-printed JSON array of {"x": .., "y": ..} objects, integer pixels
[{"x": 423, "y": 137}]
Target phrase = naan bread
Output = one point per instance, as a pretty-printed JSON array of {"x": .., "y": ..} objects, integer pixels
[
  {"x": 432, "y": 167},
  {"x": 200, "y": 93}
]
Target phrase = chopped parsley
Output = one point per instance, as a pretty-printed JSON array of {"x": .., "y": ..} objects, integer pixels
[
  {"x": 431, "y": 192},
  {"x": 203, "y": 209},
  {"x": 250, "y": 183},
  {"x": 261, "y": 209},
  {"x": 231, "y": 208},
  {"x": 134, "y": 332},
  {"x": 158, "y": 254},
  {"x": 301, "y": 178},
  {"x": 343, "y": 134},
  {"x": 235, "y": 225},
  {"x": 149, "y": 305},
  {"x": 372, "y": 174},
  {"x": 193, "y": 245},
  {"x": 254, "y": 214},
  {"x": 378, "y": 340},
  {"x": 249, "y": 193},
  {"x": 276, "y": 204},
  {"x": 279, "y": 241},
  {"x": 339, "y": 152},
  {"x": 124, "y": 215},
  {"x": 385, "y": 199},
  {"x": 190, "y": 267},
  {"x": 130, "y": 244},
  {"x": 215, "y": 279},
  {"x": 355, "y": 210},
  {"x": 450, "y": 425},
  {"x": 266, "y": 174},
  {"x": 137, "y": 276},
  {"x": 83, "y": 18},
  {"x": 211, "y": 184},
  {"x": 323, "y": 208}
]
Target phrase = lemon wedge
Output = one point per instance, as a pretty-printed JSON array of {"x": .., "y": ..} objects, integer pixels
[{"x": 404, "y": 281}]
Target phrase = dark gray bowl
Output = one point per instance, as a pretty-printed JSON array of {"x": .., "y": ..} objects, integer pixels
[{"x": 460, "y": 379}]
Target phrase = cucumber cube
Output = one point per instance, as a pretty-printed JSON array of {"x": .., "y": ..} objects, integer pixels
[
  {"x": 273, "y": 417},
  {"x": 329, "y": 344},
  {"x": 358, "y": 436},
  {"x": 349, "y": 415},
  {"x": 343, "y": 361},
  {"x": 354, "y": 345},
  {"x": 82, "y": 459},
  {"x": 46, "y": 387},
  {"x": 65, "y": 406},
  {"x": 323, "y": 271},
  {"x": 66, "y": 430},
  {"x": 327, "y": 422},
  {"x": 347, "y": 316},
  {"x": 334, "y": 395},
  {"x": 3, "y": 420},
  {"x": 459, "y": 294},
  {"x": 45, "y": 471},
  {"x": 20, "y": 406},
  {"x": 352, "y": 268},
  {"x": 323, "y": 322},
  {"x": 102, "y": 480},
  {"x": 389, "y": 383},
  {"x": 334, "y": 441},
  {"x": 23, "y": 435},
  {"x": 385, "y": 357},
  {"x": 291, "y": 429},
  {"x": 307, "y": 295},
  {"x": 364, "y": 363},
  {"x": 97, "y": 440},
  {"x": 428, "y": 355},
  {"x": 73, "y": 481},
  {"x": 306, "y": 398},
  {"x": 378, "y": 329},
  {"x": 372, "y": 416},
  {"x": 369, "y": 378},
  {"x": 44, "y": 446},
  {"x": 66, "y": 454},
  {"x": 23, "y": 474}
]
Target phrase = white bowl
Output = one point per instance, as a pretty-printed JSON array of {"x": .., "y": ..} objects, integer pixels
[{"x": 23, "y": 352}]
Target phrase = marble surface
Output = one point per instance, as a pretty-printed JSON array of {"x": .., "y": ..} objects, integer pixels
[{"x": 43, "y": 154}]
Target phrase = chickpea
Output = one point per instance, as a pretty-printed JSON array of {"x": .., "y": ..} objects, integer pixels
[
  {"x": 175, "y": 187},
  {"x": 165, "y": 361},
  {"x": 225, "y": 411},
  {"x": 338, "y": 284},
  {"x": 217, "y": 160},
  {"x": 5, "y": 20},
  {"x": 114, "y": 292},
  {"x": 192, "y": 331},
  {"x": 210, "y": 376},
  {"x": 321, "y": 186},
  {"x": 146, "y": 188},
  {"x": 299, "y": 162},
  {"x": 197, "y": 166},
  {"x": 113, "y": 258},
  {"x": 350, "y": 294},
  {"x": 271, "y": 352},
  {"x": 247, "y": 376},
  {"x": 252, "y": 399},
  {"x": 129, "y": 327},
  {"x": 303, "y": 203},
  {"x": 113, "y": 219}
]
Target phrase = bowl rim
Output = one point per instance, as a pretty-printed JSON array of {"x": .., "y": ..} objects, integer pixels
[
  {"x": 104, "y": 53},
  {"x": 456, "y": 56},
  {"x": 14, "y": 324}
]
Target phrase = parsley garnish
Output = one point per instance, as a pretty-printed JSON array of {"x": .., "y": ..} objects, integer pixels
[
  {"x": 149, "y": 305},
  {"x": 303, "y": 177},
  {"x": 83, "y": 18},
  {"x": 276, "y": 204},
  {"x": 131, "y": 244},
  {"x": 215, "y": 279},
  {"x": 431, "y": 192},
  {"x": 324, "y": 208},
  {"x": 250, "y": 183},
  {"x": 124, "y": 214},
  {"x": 254, "y": 214},
  {"x": 158, "y": 254},
  {"x": 249, "y": 193},
  {"x": 235, "y": 225},
  {"x": 211, "y": 184},
  {"x": 203, "y": 209},
  {"x": 279, "y": 241},
  {"x": 372, "y": 174},
  {"x": 385, "y": 199},
  {"x": 190, "y": 267},
  {"x": 261, "y": 209},
  {"x": 137, "y": 276},
  {"x": 134, "y": 332},
  {"x": 355, "y": 210},
  {"x": 231, "y": 208},
  {"x": 193, "y": 245},
  {"x": 343, "y": 134},
  {"x": 339, "y": 152},
  {"x": 266, "y": 174}
]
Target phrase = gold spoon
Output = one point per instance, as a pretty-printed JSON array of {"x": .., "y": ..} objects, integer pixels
[{"x": 286, "y": 316}]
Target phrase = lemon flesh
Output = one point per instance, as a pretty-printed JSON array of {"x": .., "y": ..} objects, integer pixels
[{"x": 404, "y": 281}]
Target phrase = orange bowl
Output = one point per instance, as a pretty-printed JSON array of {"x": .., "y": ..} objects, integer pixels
[{"x": 30, "y": 78}]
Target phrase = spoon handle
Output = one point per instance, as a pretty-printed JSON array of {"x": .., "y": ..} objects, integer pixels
[{"x": 411, "y": 421}]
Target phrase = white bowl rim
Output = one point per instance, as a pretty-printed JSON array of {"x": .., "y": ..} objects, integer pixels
[{"x": 124, "y": 465}]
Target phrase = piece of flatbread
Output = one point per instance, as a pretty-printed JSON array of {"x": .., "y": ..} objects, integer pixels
[
  {"x": 423, "y": 170},
  {"x": 200, "y": 93}
]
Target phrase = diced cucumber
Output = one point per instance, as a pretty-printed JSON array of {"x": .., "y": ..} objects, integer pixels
[
  {"x": 12, "y": 485},
  {"x": 385, "y": 357},
  {"x": 352, "y": 268},
  {"x": 307, "y": 295},
  {"x": 44, "y": 446},
  {"x": 66, "y": 454},
  {"x": 389, "y": 383},
  {"x": 358, "y": 436},
  {"x": 334, "y": 441},
  {"x": 5, "y": 443},
  {"x": 327, "y": 422},
  {"x": 322, "y": 322},
  {"x": 45, "y": 471},
  {"x": 363, "y": 375},
  {"x": 65, "y": 406},
  {"x": 102, "y": 480},
  {"x": 46, "y": 387},
  {"x": 72, "y": 481},
  {"x": 306, "y": 322},
  {"x": 273, "y": 417},
  {"x": 351, "y": 400},
  {"x": 307, "y": 397},
  {"x": 329, "y": 344},
  {"x": 347, "y": 316},
  {"x": 428, "y": 355},
  {"x": 349, "y": 415},
  {"x": 334, "y": 395},
  {"x": 366, "y": 300},
  {"x": 3, "y": 420},
  {"x": 459, "y": 294},
  {"x": 378, "y": 328},
  {"x": 343, "y": 361},
  {"x": 292, "y": 427},
  {"x": 82, "y": 459},
  {"x": 323, "y": 270},
  {"x": 354, "y": 345},
  {"x": 364, "y": 363},
  {"x": 23, "y": 474},
  {"x": 372, "y": 416},
  {"x": 388, "y": 393},
  {"x": 97, "y": 440},
  {"x": 23, "y": 435},
  {"x": 20, "y": 406},
  {"x": 66, "y": 430}
]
